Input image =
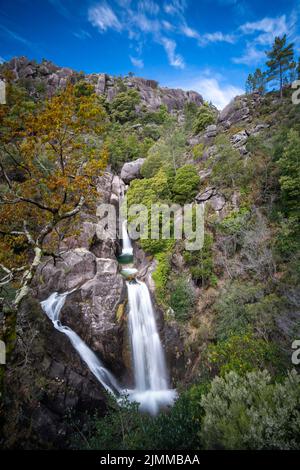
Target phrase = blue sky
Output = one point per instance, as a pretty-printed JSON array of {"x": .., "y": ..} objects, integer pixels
[{"x": 206, "y": 45}]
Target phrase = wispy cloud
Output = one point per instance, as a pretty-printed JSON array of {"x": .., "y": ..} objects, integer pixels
[
  {"x": 82, "y": 34},
  {"x": 102, "y": 17},
  {"x": 218, "y": 36},
  {"x": 176, "y": 60},
  {"x": 2, "y": 60},
  {"x": 263, "y": 33},
  {"x": 60, "y": 7},
  {"x": 15, "y": 36},
  {"x": 137, "y": 62},
  {"x": 148, "y": 6},
  {"x": 251, "y": 56},
  {"x": 207, "y": 38},
  {"x": 175, "y": 7},
  {"x": 139, "y": 23},
  {"x": 267, "y": 28}
]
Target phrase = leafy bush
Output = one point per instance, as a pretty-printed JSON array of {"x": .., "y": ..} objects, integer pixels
[
  {"x": 205, "y": 116},
  {"x": 186, "y": 184},
  {"x": 125, "y": 145},
  {"x": 243, "y": 353},
  {"x": 201, "y": 263},
  {"x": 229, "y": 170},
  {"x": 242, "y": 305},
  {"x": 125, "y": 428},
  {"x": 123, "y": 106},
  {"x": 182, "y": 299},
  {"x": 249, "y": 412},
  {"x": 161, "y": 275},
  {"x": 290, "y": 174}
]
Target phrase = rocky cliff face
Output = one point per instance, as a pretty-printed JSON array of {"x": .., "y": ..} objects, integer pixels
[{"x": 46, "y": 78}]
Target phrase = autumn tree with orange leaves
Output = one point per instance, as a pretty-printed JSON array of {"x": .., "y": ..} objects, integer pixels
[{"x": 49, "y": 160}]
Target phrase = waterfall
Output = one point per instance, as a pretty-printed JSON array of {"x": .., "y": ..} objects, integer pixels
[
  {"x": 150, "y": 372},
  {"x": 52, "y": 307},
  {"x": 127, "y": 247}
]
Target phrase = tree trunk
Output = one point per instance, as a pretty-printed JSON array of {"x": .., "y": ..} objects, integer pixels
[{"x": 27, "y": 278}]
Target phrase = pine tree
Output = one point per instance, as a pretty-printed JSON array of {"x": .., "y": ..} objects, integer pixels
[
  {"x": 256, "y": 82},
  {"x": 259, "y": 81},
  {"x": 250, "y": 84},
  {"x": 280, "y": 61}
]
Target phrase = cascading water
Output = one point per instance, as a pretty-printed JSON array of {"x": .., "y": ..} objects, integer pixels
[
  {"x": 52, "y": 307},
  {"x": 127, "y": 248},
  {"x": 150, "y": 373}
]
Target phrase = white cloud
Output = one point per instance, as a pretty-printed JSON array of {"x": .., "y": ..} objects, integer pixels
[
  {"x": 145, "y": 24},
  {"x": 148, "y": 6},
  {"x": 82, "y": 34},
  {"x": 170, "y": 47},
  {"x": 1, "y": 60},
  {"x": 263, "y": 33},
  {"x": 267, "y": 28},
  {"x": 15, "y": 36},
  {"x": 251, "y": 56},
  {"x": 137, "y": 62},
  {"x": 212, "y": 88},
  {"x": 102, "y": 17},
  {"x": 175, "y": 7},
  {"x": 218, "y": 36},
  {"x": 220, "y": 95},
  {"x": 190, "y": 32}
]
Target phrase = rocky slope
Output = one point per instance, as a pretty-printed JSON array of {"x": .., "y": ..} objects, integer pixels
[{"x": 46, "y": 78}]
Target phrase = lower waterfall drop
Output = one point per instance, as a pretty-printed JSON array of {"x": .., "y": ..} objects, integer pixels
[
  {"x": 150, "y": 372},
  {"x": 52, "y": 307}
]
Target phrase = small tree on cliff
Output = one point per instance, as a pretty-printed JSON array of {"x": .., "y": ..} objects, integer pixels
[
  {"x": 48, "y": 163},
  {"x": 280, "y": 61},
  {"x": 256, "y": 82}
]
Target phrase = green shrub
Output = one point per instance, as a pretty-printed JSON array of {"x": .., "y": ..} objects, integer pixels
[
  {"x": 249, "y": 412},
  {"x": 186, "y": 184},
  {"x": 241, "y": 305},
  {"x": 201, "y": 263},
  {"x": 125, "y": 428},
  {"x": 205, "y": 116},
  {"x": 182, "y": 299},
  {"x": 123, "y": 106},
  {"x": 161, "y": 275},
  {"x": 243, "y": 353}
]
